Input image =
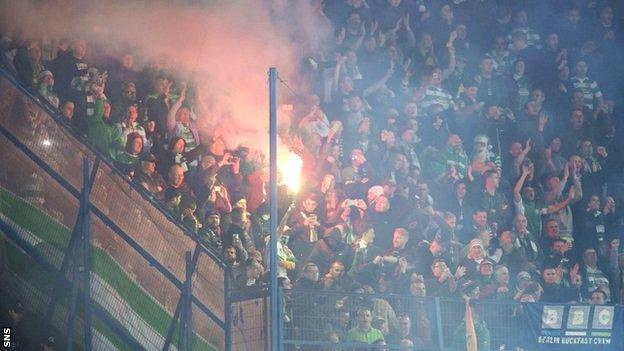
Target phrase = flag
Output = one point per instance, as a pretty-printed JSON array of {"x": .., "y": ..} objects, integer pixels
[{"x": 471, "y": 334}]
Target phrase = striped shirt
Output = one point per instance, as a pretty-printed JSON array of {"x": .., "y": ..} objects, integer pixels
[
  {"x": 595, "y": 279},
  {"x": 437, "y": 96},
  {"x": 187, "y": 134},
  {"x": 125, "y": 129},
  {"x": 589, "y": 88}
]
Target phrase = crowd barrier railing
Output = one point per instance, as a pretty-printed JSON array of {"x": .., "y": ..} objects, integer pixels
[
  {"x": 138, "y": 263},
  {"x": 312, "y": 321}
]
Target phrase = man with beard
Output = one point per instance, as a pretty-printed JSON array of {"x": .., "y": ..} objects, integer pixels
[
  {"x": 45, "y": 86},
  {"x": 305, "y": 226},
  {"x": 211, "y": 231},
  {"x": 238, "y": 230},
  {"x": 128, "y": 97}
]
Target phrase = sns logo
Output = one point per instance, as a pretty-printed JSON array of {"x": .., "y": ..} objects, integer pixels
[{"x": 6, "y": 337}]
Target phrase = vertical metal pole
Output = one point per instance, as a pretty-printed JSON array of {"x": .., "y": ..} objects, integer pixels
[
  {"x": 71, "y": 247},
  {"x": 275, "y": 313},
  {"x": 78, "y": 264},
  {"x": 282, "y": 313},
  {"x": 87, "y": 258},
  {"x": 178, "y": 315},
  {"x": 189, "y": 307},
  {"x": 181, "y": 325},
  {"x": 228, "y": 308},
  {"x": 438, "y": 314},
  {"x": 185, "y": 330}
]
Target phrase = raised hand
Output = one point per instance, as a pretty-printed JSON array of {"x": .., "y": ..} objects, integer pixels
[
  {"x": 374, "y": 28},
  {"x": 406, "y": 21},
  {"x": 527, "y": 145},
  {"x": 452, "y": 36},
  {"x": 342, "y": 35},
  {"x": 526, "y": 170},
  {"x": 397, "y": 26},
  {"x": 460, "y": 272}
]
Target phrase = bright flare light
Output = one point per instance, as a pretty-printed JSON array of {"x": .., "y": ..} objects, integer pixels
[{"x": 290, "y": 170}]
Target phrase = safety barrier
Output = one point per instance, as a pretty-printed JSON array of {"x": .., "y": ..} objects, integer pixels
[
  {"x": 320, "y": 320},
  {"x": 137, "y": 256}
]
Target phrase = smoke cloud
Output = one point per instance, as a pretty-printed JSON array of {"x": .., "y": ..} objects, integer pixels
[{"x": 226, "y": 46}]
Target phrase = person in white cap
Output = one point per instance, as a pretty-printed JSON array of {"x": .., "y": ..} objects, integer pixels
[
  {"x": 474, "y": 255},
  {"x": 44, "y": 87},
  {"x": 483, "y": 158}
]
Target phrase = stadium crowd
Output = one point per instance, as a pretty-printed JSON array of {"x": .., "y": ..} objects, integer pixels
[{"x": 451, "y": 148}]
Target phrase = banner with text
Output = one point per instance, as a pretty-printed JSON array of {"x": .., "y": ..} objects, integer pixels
[{"x": 574, "y": 327}]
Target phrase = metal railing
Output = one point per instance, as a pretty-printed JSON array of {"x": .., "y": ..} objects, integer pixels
[
  {"x": 321, "y": 320},
  {"x": 138, "y": 265}
]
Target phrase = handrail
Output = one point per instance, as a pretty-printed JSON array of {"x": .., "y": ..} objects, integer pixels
[{"x": 52, "y": 112}]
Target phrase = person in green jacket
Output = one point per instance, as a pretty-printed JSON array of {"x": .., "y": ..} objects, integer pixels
[
  {"x": 104, "y": 136},
  {"x": 364, "y": 332}
]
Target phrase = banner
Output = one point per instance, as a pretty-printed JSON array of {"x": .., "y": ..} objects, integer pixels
[{"x": 573, "y": 327}]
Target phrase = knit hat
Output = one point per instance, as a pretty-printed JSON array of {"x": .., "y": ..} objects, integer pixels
[
  {"x": 44, "y": 74},
  {"x": 475, "y": 242},
  {"x": 523, "y": 275},
  {"x": 487, "y": 261}
]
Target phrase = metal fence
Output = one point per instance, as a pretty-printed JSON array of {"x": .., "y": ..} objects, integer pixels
[
  {"x": 320, "y": 320},
  {"x": 137, "y": 263}
]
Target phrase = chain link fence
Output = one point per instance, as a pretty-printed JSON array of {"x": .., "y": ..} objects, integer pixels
[
  {"x": 320, "y": 320},
  {"x": 137, "y": 251}
]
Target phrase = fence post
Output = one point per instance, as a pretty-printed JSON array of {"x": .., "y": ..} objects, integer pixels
[
  {"x": 87, "y": 261},
  {"x": 81, "y": 229},
  {"x": 189, "y": 307},
  {"x": 228, "y": 308},
  {"x": 74, "y": 240},
  {"x": 273, "y": 205},
  {"x": 438, "y": 317},
  {"x": 183, "y": 315},
  {"x": 282, "y": 306}
]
